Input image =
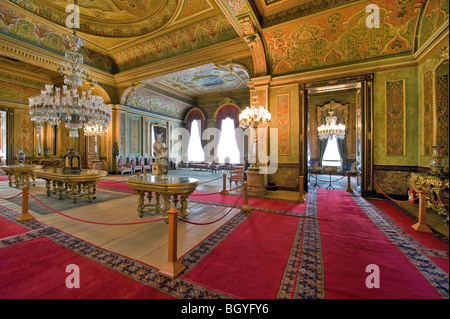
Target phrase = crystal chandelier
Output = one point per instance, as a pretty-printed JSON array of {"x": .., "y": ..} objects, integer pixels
[
  {"x": 71, "y": 104},
  {"x": 254, "y": 116},
  {"x": 331, "y": 129}
]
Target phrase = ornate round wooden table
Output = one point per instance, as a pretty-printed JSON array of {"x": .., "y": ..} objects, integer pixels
[
  {"x": 76, "y": 185},
  {"x": 174, "y": 189},
  {"x": 23, "y": 174}
]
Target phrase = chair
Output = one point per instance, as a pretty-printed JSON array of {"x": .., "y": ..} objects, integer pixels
[
  {"x": 236, "y": 176},
  {"x": 214, "y": 167},
  {"x": 135, "y": 165},
  {"x": 122, "y": 166}
]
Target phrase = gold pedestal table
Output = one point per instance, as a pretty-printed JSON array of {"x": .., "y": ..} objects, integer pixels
[
  {"x": 23, "y": 174},
  {"x": 174, "y": 189},
  {"x": 76, "y": 185}
]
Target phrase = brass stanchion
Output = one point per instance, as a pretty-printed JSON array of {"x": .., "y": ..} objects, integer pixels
[
  {"x": 224, "y": 187},
  {"x": 349, "y": 184},
  {"x": 246, "y": 207},
  {"x": 422, "y": 224},
  {"x": 301, "y": 190},
  {"x": 173, "y": 266},
  {"x": 25, "y": 213}
]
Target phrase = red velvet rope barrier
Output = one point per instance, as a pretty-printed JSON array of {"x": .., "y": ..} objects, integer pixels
[
  {"x": 395, "y": 200},
  {"x": 215, "y": 221},
  {"x": 93, "y": 222},
  {"x": 215, "y": 179},
  {"x": 207, "y": 194},
  {"x": 11, "y": 197}
]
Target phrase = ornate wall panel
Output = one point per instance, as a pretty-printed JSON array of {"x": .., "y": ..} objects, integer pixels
[
  {"x": 427, "y": 129},
  {"x": 283, "y": 122},
  {"x": 122, "y": 132},
  {"x": 442, "y": 110},
  {"x": 395, "y": 117},
  {"x": 134, "y": 135}
]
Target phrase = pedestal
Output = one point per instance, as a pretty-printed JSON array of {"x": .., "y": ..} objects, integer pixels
[{"x": 255, "y": 183}]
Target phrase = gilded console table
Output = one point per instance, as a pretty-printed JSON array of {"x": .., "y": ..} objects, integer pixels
[
  {"x": 437, "y": 188},
  {"x": 173, "y": 189},
  {"x": 75, "y": 185},
  {"x": 23, "y": 174}
]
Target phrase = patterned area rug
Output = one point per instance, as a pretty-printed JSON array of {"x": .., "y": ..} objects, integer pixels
[{"x": 65, "y": 203}]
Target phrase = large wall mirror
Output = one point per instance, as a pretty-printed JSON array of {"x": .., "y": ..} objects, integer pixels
[
  {"x": 157, "y": 129},
  {"x": 440, "y": 107},
  {"x": 45, "y": 141}
]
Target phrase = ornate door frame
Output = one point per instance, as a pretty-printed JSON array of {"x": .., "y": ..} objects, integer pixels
[{"x": 366, "y": 82}]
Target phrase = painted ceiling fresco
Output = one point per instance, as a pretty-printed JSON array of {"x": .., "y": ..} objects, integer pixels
[
  {"x": 206, "y": 79},
  {"x": 341, "y": 36},
  {"x": 110, "y": 18},
  {"x": 199, "y": 35},
  {"x": 295, "y": 35}
]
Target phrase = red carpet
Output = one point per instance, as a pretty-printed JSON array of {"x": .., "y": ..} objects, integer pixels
[
  {"x": 37, "y": 269},
  {"x": 250, "y": 262},
  {"x": 114, "y": 185},
  {"x": 403, "y": 221},
  {"x": 9, "y": 228},
  {"x": 351, "y": 241}
]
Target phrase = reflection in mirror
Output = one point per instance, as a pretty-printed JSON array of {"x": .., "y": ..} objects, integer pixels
[{"x": 39, "y": 139}]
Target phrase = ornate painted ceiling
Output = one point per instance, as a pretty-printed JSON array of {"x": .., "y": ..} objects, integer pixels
[
  {"x": 138, "y": 40},
  {"x": 205, "y": 79}
]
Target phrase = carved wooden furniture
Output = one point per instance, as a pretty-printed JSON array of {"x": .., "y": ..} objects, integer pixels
[
  {"x": 75, "y": 185},
  {"x": 174, "y": 189},
  {"x": 135, "y": 165},
  {"x": 437, "y": 188},
  {"x": 122, "y": 166},
  {"x": 23, "y": 174}
]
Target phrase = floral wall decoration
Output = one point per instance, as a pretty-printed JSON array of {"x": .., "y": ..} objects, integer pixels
[
  {"x": 341, "y": 36},
  {"x": 157, "y": 103},
  {"x": 283, "y": 121},
  {"x": 395, "y": 117}
]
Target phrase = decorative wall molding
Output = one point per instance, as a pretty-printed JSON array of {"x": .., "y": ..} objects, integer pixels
[{"x": 395, "y": 117}]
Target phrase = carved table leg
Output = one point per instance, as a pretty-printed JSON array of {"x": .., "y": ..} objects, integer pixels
[
  {"x": 60, "y": 190},
  {"x": 74, "y": 192},
  {"x": 48, "y": 186},
  {"x": 184, "y": 204},
  {"x": 141, "y": 203}
]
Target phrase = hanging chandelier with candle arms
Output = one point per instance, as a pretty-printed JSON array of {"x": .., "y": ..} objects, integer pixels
[
  {"x": 70, "y": 104},
  {"x": 331, "y": 128}
]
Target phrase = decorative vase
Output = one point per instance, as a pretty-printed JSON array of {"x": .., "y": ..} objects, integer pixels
[
  {"x": 161, "y": 167},
  {"x": 21, "y": 157}
]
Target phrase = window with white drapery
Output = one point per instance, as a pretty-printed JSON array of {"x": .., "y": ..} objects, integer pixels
[
  {"x": 2, "y": 137},
  {"x": 227, "y": 144},
  {"x": 195, "y": 149},
  {"x": 331, "y": 156}
]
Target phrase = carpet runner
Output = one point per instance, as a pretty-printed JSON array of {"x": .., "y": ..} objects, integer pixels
[{"x": 321, "y": 253}]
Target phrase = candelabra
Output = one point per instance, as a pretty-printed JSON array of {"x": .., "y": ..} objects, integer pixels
[{"x": 254, "y": 117}]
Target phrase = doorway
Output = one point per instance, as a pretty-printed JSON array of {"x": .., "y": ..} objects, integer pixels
[{"x": 338, "y": 122}]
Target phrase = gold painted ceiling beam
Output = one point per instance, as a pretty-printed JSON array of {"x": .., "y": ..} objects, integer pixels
[{"x": 244, "y": 20}]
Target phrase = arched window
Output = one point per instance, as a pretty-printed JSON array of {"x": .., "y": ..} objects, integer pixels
[
  {"x": 195, "y": 149},
  {"x": 227, "y": 143}
]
